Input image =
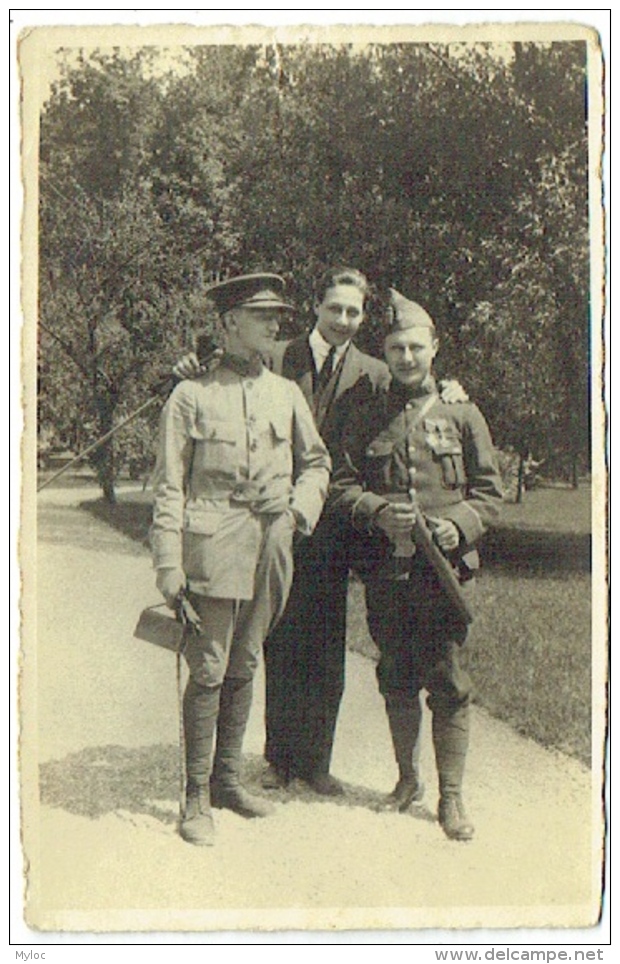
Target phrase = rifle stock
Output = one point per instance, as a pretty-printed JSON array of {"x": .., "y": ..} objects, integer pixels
[{"x": 424, "y": 541}]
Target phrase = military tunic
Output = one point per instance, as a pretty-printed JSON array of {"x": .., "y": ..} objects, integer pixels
[
  {"x": 236, "y": 450},
  {"x": 402, "y": 445}
]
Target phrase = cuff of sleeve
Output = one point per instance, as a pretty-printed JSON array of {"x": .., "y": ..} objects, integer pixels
[
  {"x": 466, "y": 519},
  {"x": 366, "y": 508},
  {"x": 301, "y": 523}
]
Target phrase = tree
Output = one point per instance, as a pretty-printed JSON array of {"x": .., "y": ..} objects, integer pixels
[
  {"x": 456, "y": 173},
  {"x": 107, "y": 285}
]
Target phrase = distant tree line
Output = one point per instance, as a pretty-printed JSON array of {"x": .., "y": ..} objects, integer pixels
[{"x": 457, "y": 175}]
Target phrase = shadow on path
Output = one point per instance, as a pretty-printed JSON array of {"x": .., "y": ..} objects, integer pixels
[
  {"x": 300, "y": 792},
  {"x": 145, "y": 780},
  {"x": 99, "y": 780}
]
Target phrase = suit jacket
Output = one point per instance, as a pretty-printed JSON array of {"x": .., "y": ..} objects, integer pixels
[{"x": 358, "y": 376}]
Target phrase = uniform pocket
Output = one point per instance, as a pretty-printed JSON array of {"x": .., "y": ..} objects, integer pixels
[
  {"x": 443, "y": 440},
  {"x": 280, "y": 430},
  {"x": 201, "y": 521},
  {"x": 216, "y": 448},
  {"x": 380, "y": 464},
  {"x": 453, "y": 470},
  {"x": 215, "y": 430},
  {"x": 380, "y": 448}
]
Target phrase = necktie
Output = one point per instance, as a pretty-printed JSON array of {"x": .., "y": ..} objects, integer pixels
[{"x": 326, "y": 372}]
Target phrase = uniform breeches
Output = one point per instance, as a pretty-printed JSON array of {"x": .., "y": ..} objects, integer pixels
[
  {"x": 419, "y": 640},
  {"x": 233, "y": 631},
  {"x": 305, "y": 658}
]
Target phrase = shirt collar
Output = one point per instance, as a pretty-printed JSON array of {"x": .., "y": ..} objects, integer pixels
[{"x": 320, "y": 348}]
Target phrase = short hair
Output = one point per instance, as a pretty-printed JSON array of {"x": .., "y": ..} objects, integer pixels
[{"x": 341, "y": 276}]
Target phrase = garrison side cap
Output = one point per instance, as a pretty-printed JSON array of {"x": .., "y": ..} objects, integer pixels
[
  {"x": 402, "y": 314},
  {"x": 250, "y": 291}
]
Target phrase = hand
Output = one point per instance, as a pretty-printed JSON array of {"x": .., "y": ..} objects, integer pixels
[
  {"x": 298, "y": 521},
  {"x": 188, "y": 366},
  {"x": 275, "y": 505},
  {"x": 396, "y": 519},
  {"x": 452, "y": 391},
  {"x": 171, "y": 583},
  {"x": 445, "y": 532}
]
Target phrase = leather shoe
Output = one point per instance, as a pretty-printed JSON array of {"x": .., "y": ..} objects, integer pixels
[
  {"x": 326, "y": 785},
  {"x": 196, "y": 825},
  {"x": 273, "y": 778},
  {"x": 453, "y": 820},
  {"x": 237, "y": 799},
  {"x": 408, "y": 790}
]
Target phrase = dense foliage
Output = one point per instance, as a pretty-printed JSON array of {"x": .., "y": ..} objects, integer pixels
[{"x": 455, "y": 174}]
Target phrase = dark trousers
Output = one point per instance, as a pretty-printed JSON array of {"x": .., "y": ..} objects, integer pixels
[
  {"x": 419, "y": 638},
  {"x": 305, "y": 657}
]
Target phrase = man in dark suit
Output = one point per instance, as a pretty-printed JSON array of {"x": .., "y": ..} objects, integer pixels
[{"x": 305, "y": 653}]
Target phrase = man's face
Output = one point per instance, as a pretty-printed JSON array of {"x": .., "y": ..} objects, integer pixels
[
  {"x": 410, "y": 355},
  {"x": 254, "y": 330},
  {"x": 340, "y": 313}
]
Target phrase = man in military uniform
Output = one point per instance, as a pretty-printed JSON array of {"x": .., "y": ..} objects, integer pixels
[
  {"x": 404, "y": 446},
  {"x": 240, "y": 469}
]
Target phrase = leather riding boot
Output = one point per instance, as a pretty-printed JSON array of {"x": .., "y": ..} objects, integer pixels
[
  {"x": 450, "y": 741},
  {"x": 200, "y": 709},
  {"x": 226, "y": 789},
  {"x": 405, "y": 716}
]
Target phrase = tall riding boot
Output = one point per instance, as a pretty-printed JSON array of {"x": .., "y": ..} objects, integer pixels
[
  {"x": 450, "y": 740},
  {"x": 405, "y": 716},
  {"x": 200, "y": 709},
  {"x": 226, "y": 788}
]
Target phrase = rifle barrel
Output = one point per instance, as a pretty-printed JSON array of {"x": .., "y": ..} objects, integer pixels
[{"x": 449, "y": 581}]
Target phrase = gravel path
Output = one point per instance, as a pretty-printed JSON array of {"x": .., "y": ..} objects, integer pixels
[{"x": 102, "y": 843}]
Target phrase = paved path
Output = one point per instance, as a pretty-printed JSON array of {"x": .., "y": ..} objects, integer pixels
[{"x": 103, "y": 847}]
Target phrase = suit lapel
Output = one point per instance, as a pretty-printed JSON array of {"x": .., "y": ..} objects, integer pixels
[
  {"x": 344, "y": 378},
  {"x": 298, "y": 365},
  {"x": 351, "y": 371}
]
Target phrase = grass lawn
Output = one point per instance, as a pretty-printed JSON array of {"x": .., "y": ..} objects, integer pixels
[
  {"x": 530, "y": 649},
  {"x": 528, "y": 652},
  {"x": 552, "y": 509}
]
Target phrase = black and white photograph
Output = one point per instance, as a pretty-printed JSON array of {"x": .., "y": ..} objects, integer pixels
[{"x": 313, "y": 477}]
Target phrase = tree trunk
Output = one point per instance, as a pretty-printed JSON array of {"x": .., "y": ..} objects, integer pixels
[
  {"x": 103, "y": 457},
  {"x": 106, "y": 473},
  {"x": 520, "y": 480}
]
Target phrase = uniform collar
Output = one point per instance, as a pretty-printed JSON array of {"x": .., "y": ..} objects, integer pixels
[
  {"x": 406, "y": 392},
  {"x": 245, "y": 367}
]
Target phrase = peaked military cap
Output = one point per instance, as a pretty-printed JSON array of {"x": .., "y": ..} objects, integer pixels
[
  {"x": 402, "y": 314},
  {"x": 249, "y": 291}
]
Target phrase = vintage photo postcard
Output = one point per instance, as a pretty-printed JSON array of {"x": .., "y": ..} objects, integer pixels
[{"x": 314, "y": 629}]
